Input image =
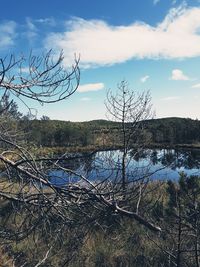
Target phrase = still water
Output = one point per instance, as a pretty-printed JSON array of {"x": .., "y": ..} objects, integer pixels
[{"x": 162, "y": 164}]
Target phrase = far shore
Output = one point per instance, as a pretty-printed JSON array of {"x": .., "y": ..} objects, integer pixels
[{"x": 94, "y": 148}]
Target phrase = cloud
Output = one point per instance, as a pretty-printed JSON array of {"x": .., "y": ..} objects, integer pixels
[
  {"x": 196, "y": 85},
  {"x": 7, "y": 34},
  {"x": 155, "y": 2},
  {"x": 32, "y": 30},
  {"x": 85, "y": 99},
  {"x": 25, "y": 70},
  {"x": 30, "y": 24},
  {"x": 90, "y": 87},
  {"x": 34, "y": 27},
  {"x": 47, "y": 21},
  {"x": 145, "y": 78},
  {"x": 178, "y": 75},
  {"x": 100, "y": 44},
  {"x": 170, "y": 98}
]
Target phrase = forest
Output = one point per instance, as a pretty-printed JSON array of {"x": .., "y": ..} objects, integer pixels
[{"x": 52, "y": 133}]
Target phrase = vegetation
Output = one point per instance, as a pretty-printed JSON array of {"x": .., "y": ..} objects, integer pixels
[
  {"x": 163, "y": 132},
  {"x": 99, "y": 133},
  {"x": 52, "y": 214},
  {"x": 115, "y": 241}
]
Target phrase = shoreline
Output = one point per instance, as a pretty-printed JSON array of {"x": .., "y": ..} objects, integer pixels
[{"x": 93, "y": 148}]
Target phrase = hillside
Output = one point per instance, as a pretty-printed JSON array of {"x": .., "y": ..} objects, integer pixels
[{"x": 66, "y": 133}]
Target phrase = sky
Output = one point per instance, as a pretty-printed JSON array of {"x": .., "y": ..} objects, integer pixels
[{"x": 152, "y": 44}]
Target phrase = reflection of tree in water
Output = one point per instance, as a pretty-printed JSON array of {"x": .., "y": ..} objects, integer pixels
[
  {"x": 154, "y": 157},
  {"x": 94, "y": 165},
  {"x": 189, "y": 159},
  {"x": 103, "y": 165},
  {"x": 168, "y": 158},
  {"x": 138, "y": 154},
  {"x": 83, "y": 161},
  {"x": 78, "y": 162},
  {"x": 106, "y": 166}
]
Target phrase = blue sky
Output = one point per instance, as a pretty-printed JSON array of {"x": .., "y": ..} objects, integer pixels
[{"x": 153, "y": 44}]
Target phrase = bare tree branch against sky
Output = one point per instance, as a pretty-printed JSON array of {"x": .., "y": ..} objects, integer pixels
[{"x": 116, "y": 40}]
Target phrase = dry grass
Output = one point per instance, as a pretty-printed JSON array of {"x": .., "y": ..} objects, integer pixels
[{"x": 5, "y": 259}]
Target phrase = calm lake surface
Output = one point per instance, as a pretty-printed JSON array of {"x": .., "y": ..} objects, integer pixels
[{"x": 162, "y": 164}]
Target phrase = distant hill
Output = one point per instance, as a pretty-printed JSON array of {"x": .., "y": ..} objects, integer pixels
[
  {"x": 65, "y": 133},
  {"x": 174, "y": 130}
]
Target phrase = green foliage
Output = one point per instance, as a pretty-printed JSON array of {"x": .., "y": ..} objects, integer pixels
[
  {"x": 9, "y": 108},
  {"x": 182, "y": 221},
  {"x": 174, "y": 130},
  {"x": 47, "y": 132}
]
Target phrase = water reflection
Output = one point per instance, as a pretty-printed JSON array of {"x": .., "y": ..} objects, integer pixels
[
  {"x": 159, "y": 163},
  {"x": 187, "y": 159}
]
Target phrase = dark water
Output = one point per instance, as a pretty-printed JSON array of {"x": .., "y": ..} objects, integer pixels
[{"x": 160, "y": 164}]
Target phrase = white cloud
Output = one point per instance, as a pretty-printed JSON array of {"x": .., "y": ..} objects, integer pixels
[
  {"x": 196, "y": 85},
  {"x": 170, "y": 98},
  {"x": 7, "y": 34},
  {"x": 85, "y": 99},
  {"x": 25, "y": 70},
  {"x": 145, "y": 78},
  {"x": 32, "y": 30},
  {"x": 90, "y": 87},
  {"x": 178, "y": 75},
  {"x": 30, "y": 24},
  {"x": 155, "y": 2},
  {"x": 47, "y": 21},
  {"x": 99, "y": 43}
]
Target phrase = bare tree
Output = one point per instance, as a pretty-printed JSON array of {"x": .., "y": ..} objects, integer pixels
[
  {"x": 42, "y": 78},
  {"x": 130, "y": 109},
  {"x": 31, "y": 200}
]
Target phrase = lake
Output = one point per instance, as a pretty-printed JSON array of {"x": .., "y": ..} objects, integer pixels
[{"x": 162, "y": 164}]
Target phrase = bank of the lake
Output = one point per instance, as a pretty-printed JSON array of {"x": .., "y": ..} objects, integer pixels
[{"x": 59, "y": 150}]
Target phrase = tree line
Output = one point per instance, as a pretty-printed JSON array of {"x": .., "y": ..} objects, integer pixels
[
  {"x": 100, "y": 132},
  {"x": 46, "y": 132}
]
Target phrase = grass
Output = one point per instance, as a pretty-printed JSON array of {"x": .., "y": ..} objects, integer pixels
[
  {"x": 120, "y": 243},
  {"x": 5, "y": 259}
]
